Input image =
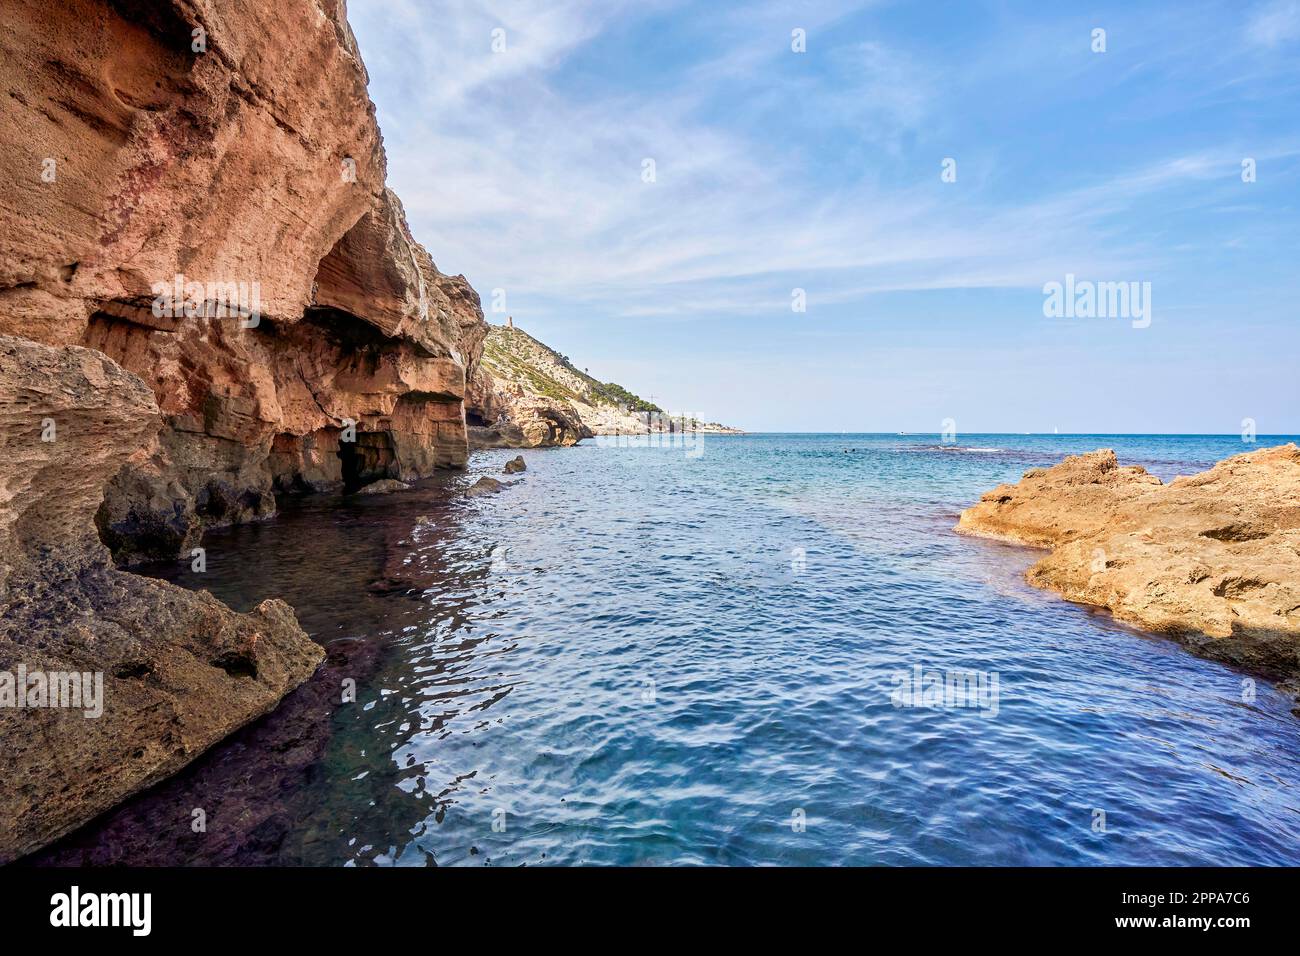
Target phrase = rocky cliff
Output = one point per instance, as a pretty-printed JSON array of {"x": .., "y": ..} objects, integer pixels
[
  {"x": 525, "y": 394},
  {"x": 196, "y": 189},
  {"x": 1212, "y": 559},
  {"x": 150, "y": 674},
  {"x": 208, "y": 297}
]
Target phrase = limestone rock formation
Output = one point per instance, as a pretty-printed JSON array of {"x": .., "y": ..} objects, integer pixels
[
  {"x": 524, "y": 394},
  {"x": 515, "y": 465},
  {"x": 1212, "y": 559},
  {"x": 179, "y": 670},
  {"x": 213, "y": 299},
  {"x": 484, "y": 486},
  {"x": 163, "y": 165},
  {"x": 508, "y": 416}
]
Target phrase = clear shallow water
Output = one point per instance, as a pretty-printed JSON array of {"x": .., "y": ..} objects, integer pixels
[{"x": 621, "y": 659}]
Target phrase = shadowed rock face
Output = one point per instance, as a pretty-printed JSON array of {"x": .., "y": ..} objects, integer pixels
[
  {"x": 1213, "y": 559},
  {"x": 232, "y": 143},
  {"x": 179, "y": 669}
]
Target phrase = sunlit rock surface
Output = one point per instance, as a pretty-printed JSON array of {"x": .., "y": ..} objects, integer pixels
[
  {"x": 1213, "y": 559},
  {"x": 232, "y": 144}
]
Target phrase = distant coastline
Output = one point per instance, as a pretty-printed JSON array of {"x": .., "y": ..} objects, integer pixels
[{"x": 525, "y": 394}]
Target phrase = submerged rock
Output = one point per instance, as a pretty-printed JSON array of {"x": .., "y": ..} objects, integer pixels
[
  {"x": 163, "y": 672},
  {"x": 515, "y": 465},
  {"x": 1212, "y": 559},
  {"x": 384, "y": 486},
  {"x": 388, "y": 585}
]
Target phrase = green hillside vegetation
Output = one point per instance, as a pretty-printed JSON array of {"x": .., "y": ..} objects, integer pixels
[{"x": 517, "y": 356}]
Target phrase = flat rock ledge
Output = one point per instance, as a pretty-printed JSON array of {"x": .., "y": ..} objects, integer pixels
[
  {"x": 1212, "y": 560},
  {"x": 384, "y": 486},
  {"x": 178, "y": 669}
]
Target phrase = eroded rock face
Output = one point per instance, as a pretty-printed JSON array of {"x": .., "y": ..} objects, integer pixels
[
  {"x": 504, "y": 415},
  {"x": 231, "y": 143},
  {"x": 1213, "y": 559},
  {"x": 179, "y": 670}
]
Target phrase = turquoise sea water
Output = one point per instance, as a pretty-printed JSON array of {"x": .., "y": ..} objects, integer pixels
[{"x": 645, "y": 655}]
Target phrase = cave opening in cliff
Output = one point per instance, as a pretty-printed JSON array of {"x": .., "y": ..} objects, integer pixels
[
  {"x": 370, "y": 458},
  {"x": 351, "y": 466},
  {"x": 345, "y": 330}
]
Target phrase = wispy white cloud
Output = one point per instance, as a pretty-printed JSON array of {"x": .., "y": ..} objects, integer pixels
[
  {"x": 445, "y": 53},
  {"x": 1275, "y": 23},
  {"x": 512, "y": 177}
]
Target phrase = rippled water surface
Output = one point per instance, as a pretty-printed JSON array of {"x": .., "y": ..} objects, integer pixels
[{"x": 636, "y": 655}]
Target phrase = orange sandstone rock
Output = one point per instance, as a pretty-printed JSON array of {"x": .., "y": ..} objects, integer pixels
[
  {"x": 232, "y": 144},
  {"x": 1212, "y": 559},
  {"x": 173, "y": 670}
]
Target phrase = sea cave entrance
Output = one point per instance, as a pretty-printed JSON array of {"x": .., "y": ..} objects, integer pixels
[{"x": 369, "y": 458}]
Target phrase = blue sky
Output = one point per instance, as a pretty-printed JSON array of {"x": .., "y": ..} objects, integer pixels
[{"x": 776, "y": 170}]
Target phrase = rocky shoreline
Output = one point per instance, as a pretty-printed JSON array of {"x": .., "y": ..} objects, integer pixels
[
  {"x": 175, "y": 670},
  {"x": 1211, "y": 560},
  {"x": 208, "y": 299},
  {"x": 164, "y": 160},
  {"x": 186, "y": 178},
  {"x": 255, "y": 787}
]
